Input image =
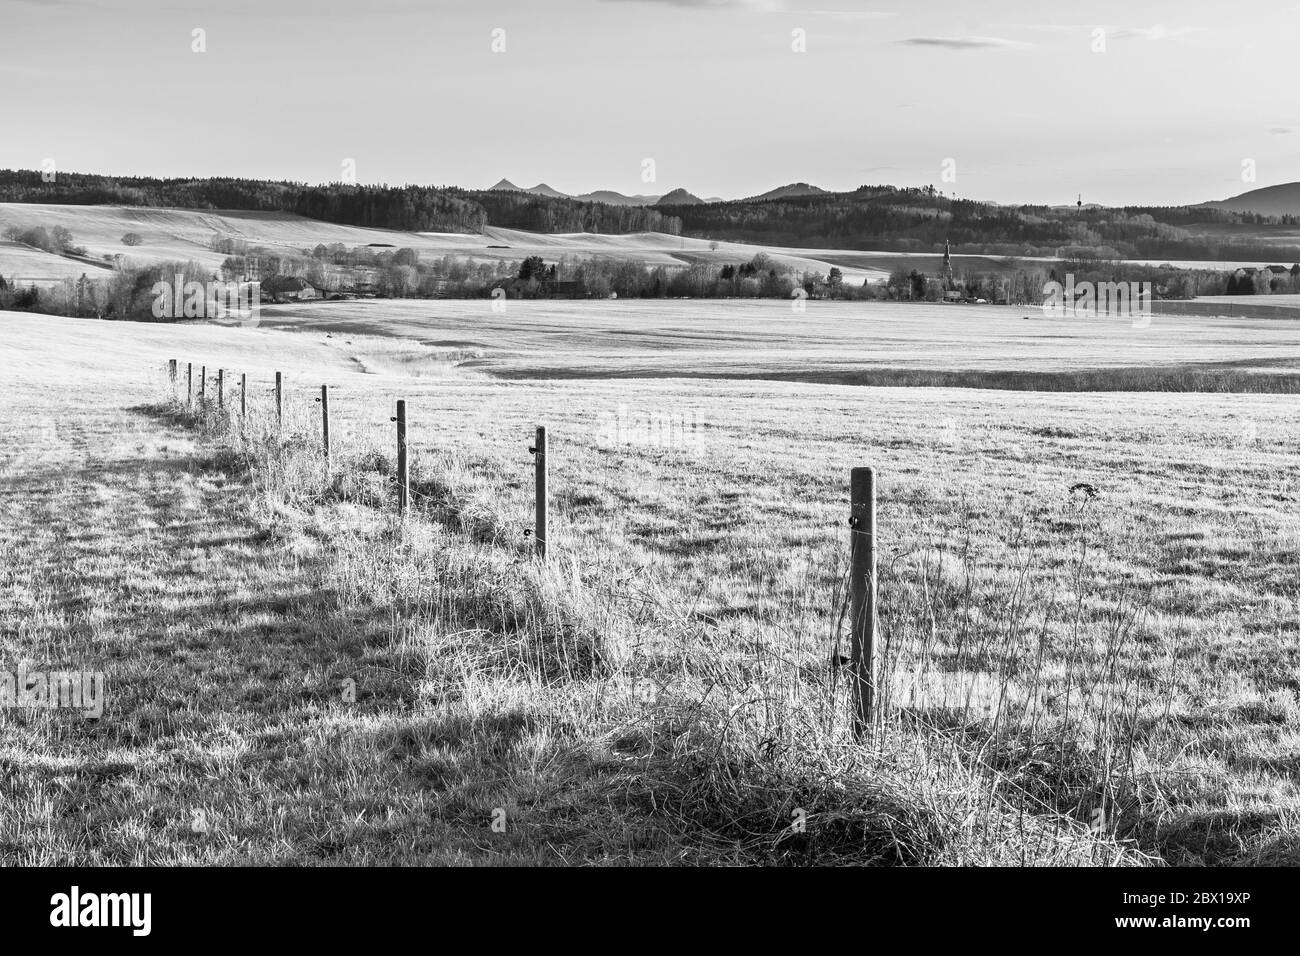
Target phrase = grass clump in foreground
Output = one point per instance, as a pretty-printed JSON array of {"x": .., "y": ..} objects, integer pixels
[{"x": 584, "y": 709}]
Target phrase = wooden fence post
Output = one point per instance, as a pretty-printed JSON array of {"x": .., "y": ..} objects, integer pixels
[
  {"x": 221, "y": 388},
  {"x": 189, "y": 384},
  {"x": 325, "y": 424},
  {"x": 279, "y": 401},
  {"x": 203, "y": 385},
  {"x": 243, "y": 396},
  {"x": 862, "y": 595},
  {"x": 403, "y": 465},
  {"x": 171, "y": 375},
  {"x": 539, "y": 470}
]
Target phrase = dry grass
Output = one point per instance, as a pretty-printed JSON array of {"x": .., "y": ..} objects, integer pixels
[
  {"x": 1067, "y": 678},
  {"x": 606, "y": 720}
]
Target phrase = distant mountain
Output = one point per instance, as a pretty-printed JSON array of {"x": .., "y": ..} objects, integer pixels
[
  {"x": 541, "y": 189},
  {"x": 613, "y": 198},
  {"x": 1281, "y": 200},
  {"x": 679, "y": 197},
  {"x": 787, "y": 192}
]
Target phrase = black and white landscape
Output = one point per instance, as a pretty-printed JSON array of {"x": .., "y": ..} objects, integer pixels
[{"x": 619, "y": 432}]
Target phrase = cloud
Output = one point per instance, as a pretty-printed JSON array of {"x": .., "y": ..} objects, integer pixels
[
  {"x": 1282, "y": 130},
  {"x": 1157, "y": 32},
  {"x": 965, "y": 43}
]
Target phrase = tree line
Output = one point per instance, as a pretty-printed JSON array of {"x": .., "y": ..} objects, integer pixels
[
  {"x": 897, "y": 219},
  {"x": 336, "y": 270},
  {"x": 888, "y": 218},
  {"x": 406, "y": 208}
]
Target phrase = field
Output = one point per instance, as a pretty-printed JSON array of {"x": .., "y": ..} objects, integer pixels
[
  {"x": 183, "y": 235},
  {"x": 837, "y": 342},
  {"x": 1089, "y": 637},
  {"x": 23, "y": 263}
]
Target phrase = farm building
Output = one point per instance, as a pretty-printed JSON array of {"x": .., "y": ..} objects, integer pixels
[{"x": 289, "y": 289}]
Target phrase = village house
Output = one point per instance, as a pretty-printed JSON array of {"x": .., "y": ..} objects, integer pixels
[{"x": 289, "y": 289}]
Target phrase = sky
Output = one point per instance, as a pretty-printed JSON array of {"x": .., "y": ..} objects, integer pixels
[{"x": 1134, "y": 102}]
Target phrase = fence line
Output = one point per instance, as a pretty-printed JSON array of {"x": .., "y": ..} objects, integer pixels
[
  {"x": 539, "y": 532},
  {"x": 862, "y": 524}
]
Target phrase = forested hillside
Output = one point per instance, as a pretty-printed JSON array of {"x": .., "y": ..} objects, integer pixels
[
  {"x": 412, "y": 208},
  {"x": 869, "y": 218},
  {"x": 921, "y": 220}
]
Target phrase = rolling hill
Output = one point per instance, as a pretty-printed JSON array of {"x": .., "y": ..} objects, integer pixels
[
  {"x": 618, "y": 199},
  {"x": 612, "y": 197},
  {"x": 787, "y": 192},
  {"x": 679, "y": 197},
  {"x": 541, "y": 189},
  {"x": 170, "y": 235},
  {"x": 1281, "y": 200}
]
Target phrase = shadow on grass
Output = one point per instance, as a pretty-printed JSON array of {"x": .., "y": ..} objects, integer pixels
[{"x": 231, "y": 700}]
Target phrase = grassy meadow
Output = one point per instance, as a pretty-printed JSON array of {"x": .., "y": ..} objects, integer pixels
[{"x": 1088, "y": 637}]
